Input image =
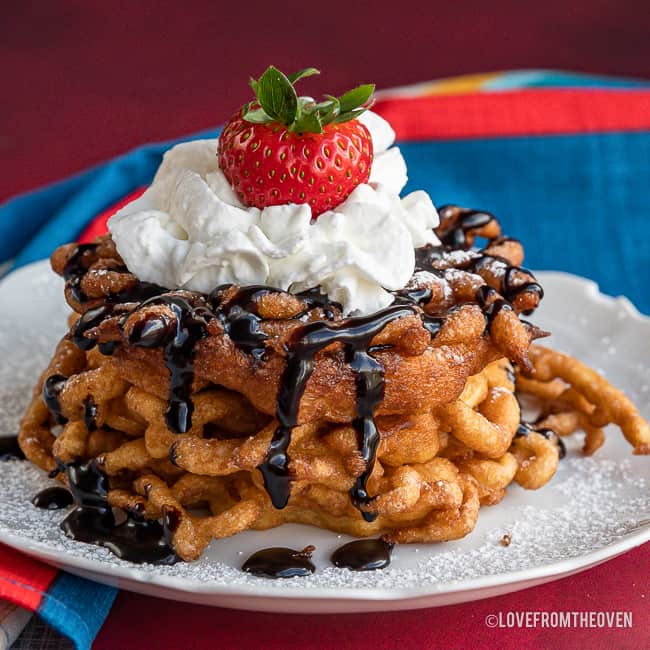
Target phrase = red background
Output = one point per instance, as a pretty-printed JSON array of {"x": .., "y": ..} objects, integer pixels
[
  {"x": 84, "y": 80},
  {"x": 618, "y": 585}
]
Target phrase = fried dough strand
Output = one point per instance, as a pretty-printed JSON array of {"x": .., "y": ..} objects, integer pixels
[
  {"x": 575, "y": 396},
  {"x": 433, "y": 469},
  {"x": 446, "y": 434}
]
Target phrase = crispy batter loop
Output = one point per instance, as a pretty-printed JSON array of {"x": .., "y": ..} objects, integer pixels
[{"x": 437, "y": 374}]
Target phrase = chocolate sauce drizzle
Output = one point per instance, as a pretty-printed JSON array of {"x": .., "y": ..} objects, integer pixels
[
  {"x": 90, "y": 413},
  {"x": 178, "y": 338},
  {"x": 52, "y": 388},
  {"x": 512, "y": 289},
  {"x": 53, "y": 498},
  {"x": 10, "y": 449},
  {"x": 526, "y": 428},
  {"x": 467, "y": 221},
  {"x": 74, "y": 270},
  {"x": 363, "y": 555},
  {"x": 280, "y": 562},
  {"x": 453, "y": 234},
  {"x": 511, "y": 284},
  {"x": 77, "y": 266},
  {"x": 93, "y": 520},
  {"x": 88, "y": 321},
  {"x": 241, "y": 319},
  {"x": 178, "y": 334},
  {"x": 485, "y": 296},
  {"x": 355, "y": 334}
]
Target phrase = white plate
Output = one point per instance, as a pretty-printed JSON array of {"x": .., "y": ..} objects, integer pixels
[{"x": 592, "y": 510}]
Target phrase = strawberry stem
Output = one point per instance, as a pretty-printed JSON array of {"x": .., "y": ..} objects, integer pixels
[{"x": 277, "y": 101}]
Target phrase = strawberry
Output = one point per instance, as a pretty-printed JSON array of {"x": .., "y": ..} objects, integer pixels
[{"x": 282, "y": 148}]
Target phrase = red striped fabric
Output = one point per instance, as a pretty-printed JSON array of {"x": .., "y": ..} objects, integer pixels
[
  {"x": 517, "y": 113},
  {"x": 23, "y": 580},
  {"x": 97, "y": 226},
  {"x": 496, "y": 114}
]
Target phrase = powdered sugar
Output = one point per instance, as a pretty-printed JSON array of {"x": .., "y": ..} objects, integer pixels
[
  {"x": 591, "y": 503},
  {"x": 29, "y": 332}
]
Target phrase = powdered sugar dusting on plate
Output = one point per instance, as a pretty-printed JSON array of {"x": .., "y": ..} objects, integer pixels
[
  {"x": 591, "y": 504},
  {"x": 602, "y": 501}
]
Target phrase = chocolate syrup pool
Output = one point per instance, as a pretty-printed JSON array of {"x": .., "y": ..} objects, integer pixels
[
  {"x": 363, "y": 555},
  {"x": 93, "y": 521},
  {"x": 185, "y": 324},
  {"x": 280, "y": 562},
  {"x": 53, "y": 498},
  {"x": 10, "y": 449}
]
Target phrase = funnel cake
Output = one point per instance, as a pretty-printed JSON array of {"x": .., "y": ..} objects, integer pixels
[
  {"x": 267, "y": 406},
  {"x": 205, "y": 413}
]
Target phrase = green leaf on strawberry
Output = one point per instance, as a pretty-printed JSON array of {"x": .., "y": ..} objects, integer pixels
[
  {"x": 277, "y": 101},
  {"x": 256, "y": 116},
  {"x": 277, "y": 96},
  {"x": 301, "y": 74},
  {"x": 350, "y": 115},
  {"x": 310, "y": 122},
  {"x": 356, "y": 97}
]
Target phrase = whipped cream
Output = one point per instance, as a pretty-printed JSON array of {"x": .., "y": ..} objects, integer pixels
[{"x": 189, "y": 230}]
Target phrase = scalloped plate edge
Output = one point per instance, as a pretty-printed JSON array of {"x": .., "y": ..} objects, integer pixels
[{"x": 265, "y": 598}]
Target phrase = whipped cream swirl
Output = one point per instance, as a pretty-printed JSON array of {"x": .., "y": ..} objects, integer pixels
[{"x": 189, "y": 230}]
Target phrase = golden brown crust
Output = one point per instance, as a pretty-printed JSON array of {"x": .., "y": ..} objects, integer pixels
[
  {"x": 447, "y": 422},
  {"x": 585, "y": 393},
  {"x": 433, "y": 469},
  {"x": 421, "y": 371}
]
